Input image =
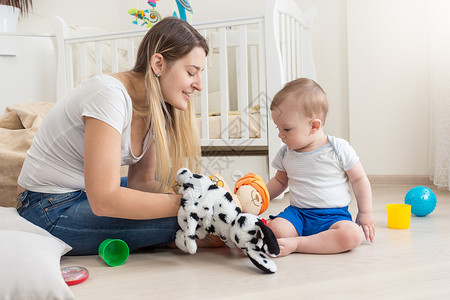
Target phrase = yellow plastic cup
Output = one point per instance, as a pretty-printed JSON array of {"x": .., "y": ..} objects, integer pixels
[
  {"x": 114, "y": 252},
  {"x": 398, "y": 216}
]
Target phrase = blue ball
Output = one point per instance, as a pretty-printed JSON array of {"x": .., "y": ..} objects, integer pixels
[{"x": 422, "y": 200}]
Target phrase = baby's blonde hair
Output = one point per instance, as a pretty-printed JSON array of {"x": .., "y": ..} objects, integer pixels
[
  {"x": 176, "y": 137},
  {"x": 310, "y": 98}
]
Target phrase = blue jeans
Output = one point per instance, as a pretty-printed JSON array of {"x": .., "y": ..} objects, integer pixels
[{"x": 69, "y": 217}]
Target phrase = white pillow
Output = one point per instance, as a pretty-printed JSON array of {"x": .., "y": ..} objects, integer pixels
[{"x": 30, "y": 260}]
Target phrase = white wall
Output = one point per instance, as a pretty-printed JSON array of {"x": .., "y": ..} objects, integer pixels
[
  {"x": 371, "y": 59},
  {"x": 112, "y": 14},
  {"x": 388, "y": 52}
]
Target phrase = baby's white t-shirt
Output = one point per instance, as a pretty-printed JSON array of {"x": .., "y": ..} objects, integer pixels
[
  {"x": 317, "y": 179},
  {"x": 55, "y": 160}
]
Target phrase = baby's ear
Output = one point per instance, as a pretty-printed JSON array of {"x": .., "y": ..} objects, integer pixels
[{"x": 315, "y": 124}]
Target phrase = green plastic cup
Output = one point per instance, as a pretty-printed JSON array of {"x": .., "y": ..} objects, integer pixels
[{"x": 114, "y": 252}]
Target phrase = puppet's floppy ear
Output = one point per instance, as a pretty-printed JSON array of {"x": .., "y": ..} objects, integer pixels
[
  {"x": 262, "y": 244},
  {"x": 270, "y": 241}
]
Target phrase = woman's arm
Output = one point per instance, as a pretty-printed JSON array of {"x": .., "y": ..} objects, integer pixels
[
  {"x": 102, "y": 158},
  {"x": 141, "y": 175},
  {"x": 277, "y": 184}
]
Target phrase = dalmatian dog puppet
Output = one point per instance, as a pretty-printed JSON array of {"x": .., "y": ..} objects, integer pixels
[{"x": 207, "y": 208}]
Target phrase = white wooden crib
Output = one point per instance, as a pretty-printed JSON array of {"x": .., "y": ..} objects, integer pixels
[{"x": 250, "y": 60}]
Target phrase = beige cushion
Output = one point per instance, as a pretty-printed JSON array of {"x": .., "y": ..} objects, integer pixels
[{"x": 18, "y": 126}]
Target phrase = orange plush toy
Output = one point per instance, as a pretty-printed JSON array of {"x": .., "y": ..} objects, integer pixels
[{"x": 250, "y": 192}]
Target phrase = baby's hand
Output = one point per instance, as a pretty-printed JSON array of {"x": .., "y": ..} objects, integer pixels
[{"x": 367, "y": 222}]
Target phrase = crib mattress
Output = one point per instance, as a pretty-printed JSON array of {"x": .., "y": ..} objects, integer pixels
[{"x": 234, "y": 126}]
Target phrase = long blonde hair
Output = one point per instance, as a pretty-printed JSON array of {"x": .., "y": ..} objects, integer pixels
[{"x": 177, "y": 140}]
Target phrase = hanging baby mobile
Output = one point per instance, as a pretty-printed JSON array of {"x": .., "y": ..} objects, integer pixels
[
  {"x": 182, "y": 6},
  {"x": 150, "y": 17},
  {"x": 146, "y": 17}
]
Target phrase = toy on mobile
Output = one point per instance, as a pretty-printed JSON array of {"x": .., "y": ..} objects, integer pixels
[{"x": 74, "y": 274}]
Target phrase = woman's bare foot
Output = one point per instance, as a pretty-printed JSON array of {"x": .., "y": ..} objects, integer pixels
[{"x": 210, "y": 241}]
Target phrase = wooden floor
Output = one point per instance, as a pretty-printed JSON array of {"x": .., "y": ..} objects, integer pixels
[{"x": 401, "y": 264}]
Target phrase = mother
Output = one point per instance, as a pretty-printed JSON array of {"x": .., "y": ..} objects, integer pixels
[{"x": 70, "y": 182}]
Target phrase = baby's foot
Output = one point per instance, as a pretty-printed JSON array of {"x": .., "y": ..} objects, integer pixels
[{"x": 287, "y": 246}]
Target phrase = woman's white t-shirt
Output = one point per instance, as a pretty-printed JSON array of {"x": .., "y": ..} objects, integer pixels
[{"x": 55, "y": 160}]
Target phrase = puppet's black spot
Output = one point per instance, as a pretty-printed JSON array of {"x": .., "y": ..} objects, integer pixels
[
  {"x": 194, "y": 216},
  {"x": 236, "y": 238},
  {"x": 188, "y": 185},
  {"x": 212, "y": 187},
  {"x": 241, "y": 221},
  {"x": 223, "y": 217},
  {"x": 229, "y": 197}
]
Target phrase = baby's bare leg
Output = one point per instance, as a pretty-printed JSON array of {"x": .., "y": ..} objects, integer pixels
[
  {"x": 342, "y": 236},
  {"x": 282, "y": 228}
]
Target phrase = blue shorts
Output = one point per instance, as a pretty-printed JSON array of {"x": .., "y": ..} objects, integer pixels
[{"x": 309, "y": 221}]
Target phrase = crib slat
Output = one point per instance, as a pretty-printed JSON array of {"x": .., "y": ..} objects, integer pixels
[
  {"x": 98, "y": 58},
  {"x": 243, "y": 104},
  {"x": 293, "y": 53},
  {"x": 114, "y": 57},
  {"x": 289, "y": 47},
  {"x": 283, "y": 45},
  {"x": 204, "y": 99},
  {"x": 82, "y": 55},
  {"x": 298, "y": 39},
  {"x": 262, "y": 96},
  {"x": 69, "y": 64},
  {"x": 224, "y": 93},
  {"x": 130, "y": 52},
  {"x": 204, "y": 112},
  {"x": 254, "y": 74}
]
